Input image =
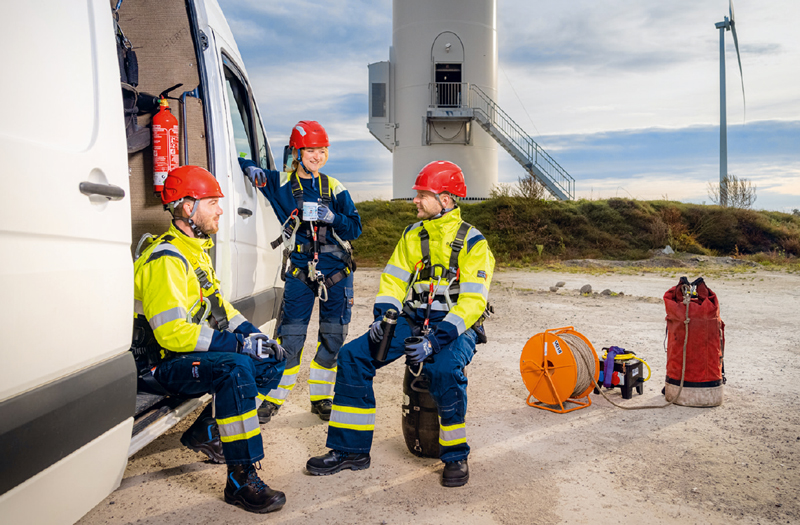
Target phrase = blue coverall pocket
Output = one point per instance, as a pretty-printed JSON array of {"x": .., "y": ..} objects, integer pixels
[
  {"x": 446, "y": 412},
  {"x": 349, "y": 300},
  {"x": 354, "y": 391},
  {"x": 247, "y": 387}
]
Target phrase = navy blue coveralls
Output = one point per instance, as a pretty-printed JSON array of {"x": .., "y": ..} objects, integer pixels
[
  {"x": 334, "y": 314},
  {"x": 452, "y": 337}
]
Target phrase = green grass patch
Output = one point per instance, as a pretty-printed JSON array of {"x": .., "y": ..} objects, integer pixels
[{"x": 524, "y": 233}]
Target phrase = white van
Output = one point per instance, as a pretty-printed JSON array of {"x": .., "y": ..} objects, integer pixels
[{"x": 75, "y": 203}]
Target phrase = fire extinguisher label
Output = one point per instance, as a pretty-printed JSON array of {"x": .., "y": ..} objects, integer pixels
[{"x": 165, "y": 145}]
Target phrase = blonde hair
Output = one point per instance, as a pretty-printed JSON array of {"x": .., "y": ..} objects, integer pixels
[{"x": 296, "y": 160}]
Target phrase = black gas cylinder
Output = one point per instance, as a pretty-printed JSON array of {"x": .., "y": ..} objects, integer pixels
[{"x": 420, "y": 417}]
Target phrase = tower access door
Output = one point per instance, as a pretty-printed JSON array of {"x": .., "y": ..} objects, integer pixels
[{"x": 448, "y": 83}]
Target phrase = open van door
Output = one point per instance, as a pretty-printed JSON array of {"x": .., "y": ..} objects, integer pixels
[
  {"x": 68, "y": 382},
  {"x": 257, "y": 262},
  {"x": 256, "y": 289}
]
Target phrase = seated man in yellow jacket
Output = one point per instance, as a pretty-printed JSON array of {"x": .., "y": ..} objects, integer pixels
[
  {"x": 199, "y": 343},
  {"x": 438, "y": 279}
]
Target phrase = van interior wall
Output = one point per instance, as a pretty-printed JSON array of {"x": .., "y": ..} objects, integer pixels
[{"x": 161, "y": 36}]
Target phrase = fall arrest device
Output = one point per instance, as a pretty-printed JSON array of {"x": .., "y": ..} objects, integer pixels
[{"x": 312, "y": 277}]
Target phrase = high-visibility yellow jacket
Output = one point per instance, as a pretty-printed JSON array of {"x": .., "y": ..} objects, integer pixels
[
  {"x": 168, "y": 293},
  {"x": 476, "y": 265}
]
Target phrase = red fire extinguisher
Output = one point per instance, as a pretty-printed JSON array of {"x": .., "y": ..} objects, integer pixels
[{"x": 165, "y": 144}]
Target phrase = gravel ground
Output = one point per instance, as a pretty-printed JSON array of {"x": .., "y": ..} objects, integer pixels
[{"x": 736, "y": 463}]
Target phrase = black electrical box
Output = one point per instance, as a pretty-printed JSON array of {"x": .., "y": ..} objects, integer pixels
[{"x": 627, "y": 375}]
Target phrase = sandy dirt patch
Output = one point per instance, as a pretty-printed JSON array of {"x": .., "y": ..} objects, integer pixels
[{"x": 736, "y": 463}]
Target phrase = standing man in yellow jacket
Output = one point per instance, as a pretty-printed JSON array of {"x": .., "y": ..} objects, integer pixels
[
  {"x": 438, "y": 279},
  {"x": 199, "y": 343}
]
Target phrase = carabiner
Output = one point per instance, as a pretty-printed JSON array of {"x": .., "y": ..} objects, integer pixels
[
  {"x": 322, "y": 293},
  {"x": 206, "y": 303}
]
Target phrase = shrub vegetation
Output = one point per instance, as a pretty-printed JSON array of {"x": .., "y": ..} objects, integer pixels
[{"x": 614, "y": 229}]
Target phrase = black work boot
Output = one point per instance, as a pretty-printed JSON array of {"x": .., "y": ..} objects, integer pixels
[
  {"x": 203, "y": 437},
  {"x": 322, "y": 408},
  {"x": 266, "y": 411},
  {"x": 334, "y": 461},
  {"x": 245, "y": 488},
  {"x": 455, "y": 473}
]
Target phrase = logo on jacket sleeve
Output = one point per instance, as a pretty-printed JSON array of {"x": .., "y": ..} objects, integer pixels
[{"x": 482, "y": 274}]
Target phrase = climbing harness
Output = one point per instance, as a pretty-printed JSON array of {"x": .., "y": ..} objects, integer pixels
[
  {"x": 419, "y": 295},
  {"x": 312, "y": 277}
]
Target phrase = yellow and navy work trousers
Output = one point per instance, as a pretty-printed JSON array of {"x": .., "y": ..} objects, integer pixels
[
  {"x": 352, "y": 420},
  {"x": 235, "y": 380},
  {"x": 334, "y": 317}
]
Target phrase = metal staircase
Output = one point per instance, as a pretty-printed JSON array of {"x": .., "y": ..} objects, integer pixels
[{"x": 508, "y": 134}]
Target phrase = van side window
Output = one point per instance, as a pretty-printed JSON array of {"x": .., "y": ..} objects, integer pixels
[
  {"x": 263, "y": 146},
  {"x": 239, "y": 104},
  {"x": 245, "y": 118}
]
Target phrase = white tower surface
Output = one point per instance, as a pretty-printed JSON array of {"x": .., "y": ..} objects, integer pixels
[
  {"x": 435, "y": 99},
  {"x": 419, "y": 100}
]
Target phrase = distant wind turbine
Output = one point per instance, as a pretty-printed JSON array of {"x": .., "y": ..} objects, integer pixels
[{"x": 727, "y": 25}]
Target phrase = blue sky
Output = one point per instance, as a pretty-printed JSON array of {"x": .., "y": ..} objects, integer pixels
[{"x": 623, "y": 94}]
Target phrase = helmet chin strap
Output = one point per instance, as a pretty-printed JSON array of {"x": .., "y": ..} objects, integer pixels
[
  {"x": 443, "y": 210},
  {"x": 200, "y": 234},
  {"x": 300, "y": 161}
]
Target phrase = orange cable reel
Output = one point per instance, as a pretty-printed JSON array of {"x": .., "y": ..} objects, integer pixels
[{"x": 557, "y": 367}]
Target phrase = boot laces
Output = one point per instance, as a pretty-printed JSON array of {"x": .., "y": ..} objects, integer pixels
[{"x": 253, "y": 479}]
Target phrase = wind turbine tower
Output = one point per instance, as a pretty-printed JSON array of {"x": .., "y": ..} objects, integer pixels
[
  {"x": 434, "y": 99},
  {"x": 727, "y": 24}
]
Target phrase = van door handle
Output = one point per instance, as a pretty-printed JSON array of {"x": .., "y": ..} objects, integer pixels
[
  {"x": 244, "y": 212},
  {"x": 109, "y": 191}
]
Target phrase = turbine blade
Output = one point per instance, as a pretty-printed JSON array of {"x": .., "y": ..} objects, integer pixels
[
  {"x": 730, "y": 9},
  {"x": 739, "y": 58}
]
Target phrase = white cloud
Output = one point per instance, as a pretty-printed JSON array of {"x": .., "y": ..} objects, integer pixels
[{"x": 566, "y": 69}]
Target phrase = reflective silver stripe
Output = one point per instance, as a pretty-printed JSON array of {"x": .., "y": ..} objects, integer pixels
[
  {"x": 413, "y": 227},
  {"x": 391, "y": 300},
  {"x": 288, "y": 379},
  {"x": 167, "y": 316},
  {"x": 320, "y": 389},
  {"x": 439, "y": 289},
  {"x": 352, "y": 418},
  {"x": 234, "y": 323},
  {"x": 328, "y": 376},
  {"x": 396, "y": 271},
  {"x": 238, "y": 429},
  {"x": 456, "y": 321},
  {"x": 204, "y": 339},
  {"x": 473, "y": 232},
  {"x": 138, "y": 307},
  {"x": 279, "y": 393},
  {"x": 452, "y": 435},
  {"x": 436, "y": 306},
  {"x": 475, "y": 288}
]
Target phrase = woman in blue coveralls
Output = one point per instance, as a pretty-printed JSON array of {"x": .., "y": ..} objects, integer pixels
[{"x": 321, "y": 262}]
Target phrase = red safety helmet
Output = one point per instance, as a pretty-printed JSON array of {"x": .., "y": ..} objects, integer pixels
[
  {"x": 308, "y": 134},
  {"x": 190, "y": 181},
  {"x": 439, "y": 176}
]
